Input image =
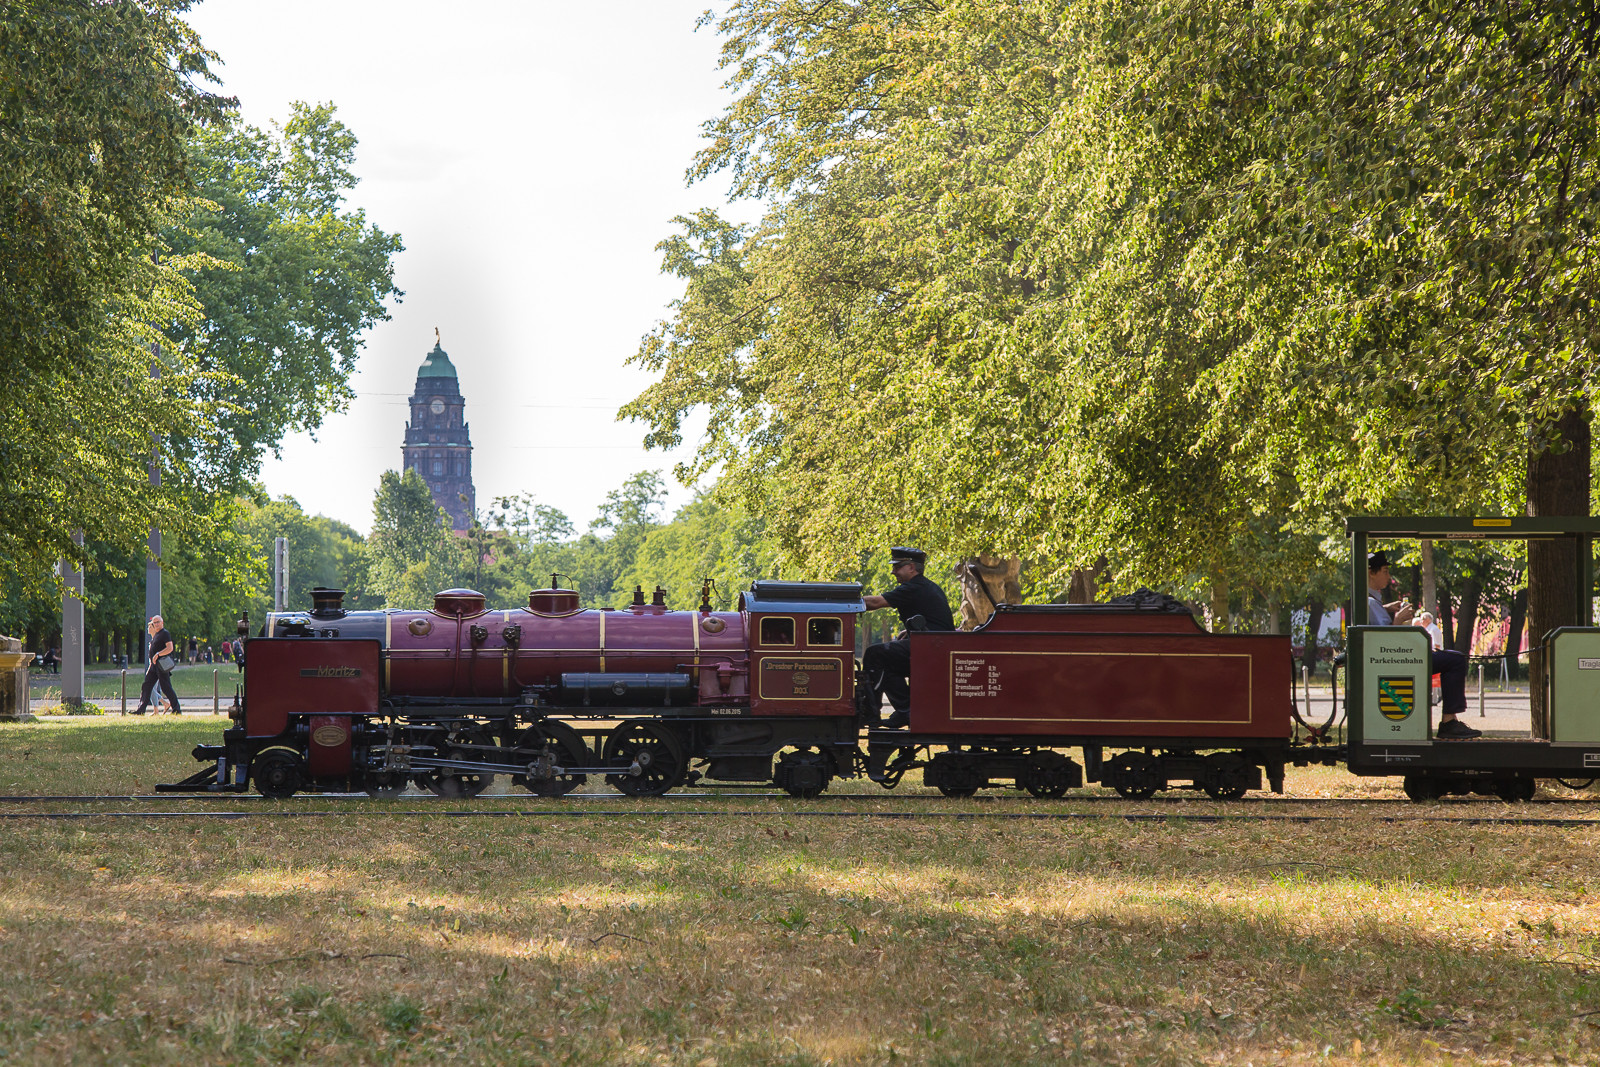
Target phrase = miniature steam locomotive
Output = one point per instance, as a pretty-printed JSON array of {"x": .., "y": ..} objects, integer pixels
[{"x": 651, "y": 698}]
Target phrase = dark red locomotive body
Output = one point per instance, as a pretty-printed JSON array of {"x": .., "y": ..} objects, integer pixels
[{"x": 651, "y": 698}]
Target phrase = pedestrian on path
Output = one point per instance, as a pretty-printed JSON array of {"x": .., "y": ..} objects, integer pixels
[{"x": 160, "y": 649}]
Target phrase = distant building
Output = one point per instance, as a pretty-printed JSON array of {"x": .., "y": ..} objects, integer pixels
[{"x": 437, "y": 446}]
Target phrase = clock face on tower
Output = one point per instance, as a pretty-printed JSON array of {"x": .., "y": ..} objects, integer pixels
[{"x": 437, "y": 407}]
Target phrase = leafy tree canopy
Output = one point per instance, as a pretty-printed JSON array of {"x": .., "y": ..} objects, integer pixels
[
  {"x": 96, "y": 104},
  {"x": 1133, "y": 279},
  {"x": 297, "y": 280}
]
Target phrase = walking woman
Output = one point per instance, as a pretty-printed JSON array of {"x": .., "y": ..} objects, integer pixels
[{"x": 160, "y": 647}]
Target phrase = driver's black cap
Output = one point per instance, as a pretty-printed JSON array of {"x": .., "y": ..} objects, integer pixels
[
  {"x": 1377, "y": 561},
  {"x": 901, "y": 555}
]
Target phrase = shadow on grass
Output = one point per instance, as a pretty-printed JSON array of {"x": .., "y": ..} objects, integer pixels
[{"x": 730, "y": 941}]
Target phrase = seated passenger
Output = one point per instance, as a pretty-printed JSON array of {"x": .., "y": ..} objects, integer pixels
[
  {"x": 888, "y": 665},
  {"x": 1448, "y": 664}
]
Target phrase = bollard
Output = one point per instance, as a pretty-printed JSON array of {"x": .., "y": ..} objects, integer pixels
[
  {"x": 216, "y": 693},
  {"x": 124, "y": 690},
  {"x": 1305, "y": 685},
  {"x": 1480, "y": 690}
]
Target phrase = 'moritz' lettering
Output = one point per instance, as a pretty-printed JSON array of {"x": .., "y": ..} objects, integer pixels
[{"x": 330, "y": 672}]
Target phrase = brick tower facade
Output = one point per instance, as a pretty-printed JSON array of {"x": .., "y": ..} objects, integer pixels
[{"x": 437, "y": 445}]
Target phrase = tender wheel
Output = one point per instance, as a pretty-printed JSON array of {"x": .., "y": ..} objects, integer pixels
[
  {"x": 554, "y": 741},
  {"x": 385, "y": 785},
  {"x": 465, "y": 744},
  {"x": 1048, "y": 774},
  {"x": 1226, "y": 777},
  {"x": 1421, "y": 789},
  {"x": 654, "y": 750},
  {"x": 955, "y": 774},
  {"x": 1133, "y": 775},
  {"x": 279, "y": 773},
  {"x": 1514, "y": 790}
]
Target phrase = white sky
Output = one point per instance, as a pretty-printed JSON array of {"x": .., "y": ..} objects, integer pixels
[{"x": 530, "y": 155}]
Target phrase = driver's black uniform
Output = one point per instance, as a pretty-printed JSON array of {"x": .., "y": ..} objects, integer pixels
[{"x": 888, "y": 665}]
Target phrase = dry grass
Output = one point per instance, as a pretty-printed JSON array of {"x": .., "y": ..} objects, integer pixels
[
  {"x": 772, "y": 939},
  {"x": 761, "y": 940}
]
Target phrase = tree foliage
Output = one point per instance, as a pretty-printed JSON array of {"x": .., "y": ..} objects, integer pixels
[
  {"x": 96, "y": 104},
  {"x": 295, "y": 280},
  {"x": 1148, "y": 280},
  {"x": 412, "y": 554}
]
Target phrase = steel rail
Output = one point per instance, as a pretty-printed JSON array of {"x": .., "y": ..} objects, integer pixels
[
  {"x": 915, "y": 798},
  {"x": 694, "y": 813}
]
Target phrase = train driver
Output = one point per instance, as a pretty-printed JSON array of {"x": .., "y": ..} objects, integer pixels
[
  {"x": 1448, "y": 664},
  {"x": 888, "y": 665}
]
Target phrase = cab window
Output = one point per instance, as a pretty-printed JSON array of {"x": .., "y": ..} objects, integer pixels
[
  {"x": 824, "y": 632},
  {"x": 777, "y": 631}
]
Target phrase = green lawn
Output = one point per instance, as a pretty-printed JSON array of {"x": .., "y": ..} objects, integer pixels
[{"x": 193, "y": 681}]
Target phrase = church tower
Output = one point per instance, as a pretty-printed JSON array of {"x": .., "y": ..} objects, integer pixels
[{"x": 437, "y": 446}]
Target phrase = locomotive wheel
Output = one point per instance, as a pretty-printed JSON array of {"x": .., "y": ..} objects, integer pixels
[
  {"x": 1226, "y": 777},
  {"x": 1133, "y": 775},
  {"x": 567, "y": 747},
  {"x": 1046, "y": 775},
  {"x": 278, "y": 773},
  {"x": 455, "y": 784},
  {"x": 804, "y": 773},
  {"x": 386, "y": 785},
  {"x": 1420, "y": 789},
  {"x": 657, "y": 752}
]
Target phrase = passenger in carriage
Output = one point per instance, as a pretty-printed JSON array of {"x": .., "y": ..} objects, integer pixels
[
  {"x": 1448, "y": 664},
  {"x": 888, "y": 665}
]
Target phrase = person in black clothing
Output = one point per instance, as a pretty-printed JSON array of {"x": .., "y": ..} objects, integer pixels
[
  {"x": 888, "y": 665},
  {"x": 160, "y": 645}
]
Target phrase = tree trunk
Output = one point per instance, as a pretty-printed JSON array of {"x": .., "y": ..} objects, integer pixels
[
  {"x": 103, "y": 645},
  {"x": 1219, "y": 605},
  {"x": 1446, "y": 615},
  {"x": 1558, "y": 485},
  {"x": 987, "y": 582},
  {"x": 1430, "y": 581},
  {"x": 1314, "y": 612},
  {"x": 1273, "y": 611},
  {"x": 1467, "y": 614},
  {"x": 1519, "y": 615},
  {"x": 1081, "y": 590}
]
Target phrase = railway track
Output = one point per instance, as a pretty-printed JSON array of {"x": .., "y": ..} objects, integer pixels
[
  {"x": 884, "y": 797},
  {"x": 928, "y": 807},
  {"x": 702, "y": 813}
]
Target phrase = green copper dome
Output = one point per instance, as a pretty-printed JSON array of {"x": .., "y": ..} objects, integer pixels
[{"x": 437, "y": 365}]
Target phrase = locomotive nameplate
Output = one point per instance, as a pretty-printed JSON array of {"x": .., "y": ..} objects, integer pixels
[
  {"x": 330, "y": 672},
  {"x": 795, "y": 678},
  {"x": 330, "y": 735}
]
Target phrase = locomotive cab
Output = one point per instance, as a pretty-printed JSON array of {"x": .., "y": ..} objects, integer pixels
[{"x": 802, "y": 646}]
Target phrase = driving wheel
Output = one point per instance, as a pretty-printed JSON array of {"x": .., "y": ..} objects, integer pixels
[
  {"x": 466, "y": 744},
  {"x": 557, "y": 744},
  {"x": 653, "y": 757}
]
